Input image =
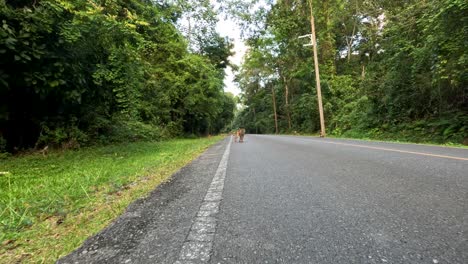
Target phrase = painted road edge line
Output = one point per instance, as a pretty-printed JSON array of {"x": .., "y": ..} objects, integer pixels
[
  {"x": 199, "y": 243},
  {"x": 395, "y": 150}
]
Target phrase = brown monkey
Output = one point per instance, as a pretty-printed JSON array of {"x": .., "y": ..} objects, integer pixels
[
  {"x": 235, "y": 135},
  {"x": 241, "y": 132}
]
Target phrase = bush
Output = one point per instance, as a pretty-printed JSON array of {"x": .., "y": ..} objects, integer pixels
[
  {"x": 67, "y": 136},
  {"x": 172, "y": 129},
  {"x": 123, "y": 130},
  {"x": 3, "y": 153},
  {"x": 2, "y": 144}
]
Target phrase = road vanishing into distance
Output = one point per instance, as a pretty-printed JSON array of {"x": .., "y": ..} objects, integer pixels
[{"x": 290, "y": 199}]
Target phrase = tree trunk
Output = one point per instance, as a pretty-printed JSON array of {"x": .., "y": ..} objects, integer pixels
[
  {"x": 286, "y": 97},
  {"x": 349, "y": 42},
  {"x": 189, "y": 37},
  {"x": 363, "y": 73},
  {"x": 327, "y": 47},
  {"x": 273, "y": 97},
  {"x": 255, "y": 120}
]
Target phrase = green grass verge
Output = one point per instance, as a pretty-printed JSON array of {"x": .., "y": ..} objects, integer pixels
[
  {"x": 403, "y": 137},
  {"x": 50, "y": 205},
  {"x": 388, "y": 137},
  {"x": 401, "y": 141}
]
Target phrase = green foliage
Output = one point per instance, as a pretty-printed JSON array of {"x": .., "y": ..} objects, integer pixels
[
  {"x": 61, "y": 136},
  {"x": 389, "y": 69},
  {"x": 3, "y": 152},
  {"x": 304, "y": 114},
  {"x": 450, "y": 128},
  {"x": 2, "y": 144},
  {"x": 124, "y": 130},
  {"x": 105, "y": 71}
]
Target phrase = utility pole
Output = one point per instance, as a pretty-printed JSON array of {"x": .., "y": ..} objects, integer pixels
[{"x": 313, "y": 43}]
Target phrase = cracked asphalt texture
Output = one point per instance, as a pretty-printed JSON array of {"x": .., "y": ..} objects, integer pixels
[{"x": 301, "y": 200}]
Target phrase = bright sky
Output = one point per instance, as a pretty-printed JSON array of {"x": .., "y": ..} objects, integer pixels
[{"x": 228, "y": 28}]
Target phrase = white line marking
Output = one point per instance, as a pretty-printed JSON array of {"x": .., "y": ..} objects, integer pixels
[
  {"x": 394, "y": 150},
  {"x": 199, "y": 243}
]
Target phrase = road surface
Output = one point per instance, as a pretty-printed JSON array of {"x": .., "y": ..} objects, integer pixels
[{"x": 286, "y": 199}]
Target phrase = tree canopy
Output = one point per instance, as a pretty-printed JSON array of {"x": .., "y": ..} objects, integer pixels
[
  {"x": 387, "y": 68},
  {"x": 79, "y": 72}
]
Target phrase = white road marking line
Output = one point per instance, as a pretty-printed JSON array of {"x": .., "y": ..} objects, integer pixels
[
  {"x": 394, "y": 150},
  {"x": 199, "y": 243}
]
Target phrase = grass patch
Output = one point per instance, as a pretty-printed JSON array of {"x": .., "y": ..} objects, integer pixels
[
  {"x": 50, "y": 205},
  {"x": 399, "y": 141},
  {"x": 387, "y": 137},
  {"x": 403, "y": 136}
]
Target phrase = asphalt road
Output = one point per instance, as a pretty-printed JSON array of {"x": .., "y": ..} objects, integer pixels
[{"x": 285, "y": 199}]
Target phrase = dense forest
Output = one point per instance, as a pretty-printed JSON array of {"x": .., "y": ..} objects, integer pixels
[
  {"x": 389, "y": 69},
  {"x": 81, "y": 72}
]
